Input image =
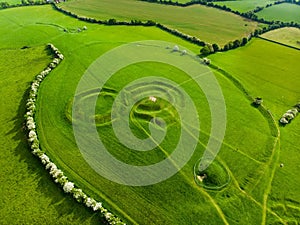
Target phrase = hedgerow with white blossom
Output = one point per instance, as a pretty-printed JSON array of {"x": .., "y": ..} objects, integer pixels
[{"x": 57, "y": 174}]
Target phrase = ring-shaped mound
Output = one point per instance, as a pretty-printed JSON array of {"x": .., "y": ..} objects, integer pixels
[{"x": 214, "y": 177}]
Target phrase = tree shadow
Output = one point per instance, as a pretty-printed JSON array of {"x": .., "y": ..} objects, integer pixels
[{"x": 65, "y": 205}]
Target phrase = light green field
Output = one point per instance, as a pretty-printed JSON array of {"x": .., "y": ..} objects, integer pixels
[
  {"x": 208, "y": 24},
  {"x": 250, "y": 154},
  {"x": 287, "y": 35},
  {"x": 285, "y": 12},
  {"x": 13, "y": 2},
  {"x": 28, "y": 194},
  {"x": 260, "y": 67},
  {"x": 279, "y": 94},
  {"x": 191, "y": 202},
  {"x": 244, "y": 5}
]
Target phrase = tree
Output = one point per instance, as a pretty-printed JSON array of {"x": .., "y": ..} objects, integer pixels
[
  {"x": 112, "y": 21},
  {"x": 205, "y": 50},
  {"x": 258, "y": 101},
  {"x": 226, "y": 47},
  {"x": 4, "y": 5},
  {"x": 236, "y": 43},
  {"x": 216, "y": 47},
  {"x": 244, "y": 41}
]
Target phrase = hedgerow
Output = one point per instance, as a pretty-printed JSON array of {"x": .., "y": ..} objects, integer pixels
[{"x": 33, "y": 140}]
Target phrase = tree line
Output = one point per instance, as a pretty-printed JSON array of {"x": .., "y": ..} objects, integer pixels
[
  {"x": 248, "y": 15},
  {"x": 207, "y": 47},
  {"x": 5, "y": 5}
]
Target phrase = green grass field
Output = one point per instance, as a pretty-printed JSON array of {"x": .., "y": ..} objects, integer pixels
[
  {"x": 251, "y": 65},
  {"x": 131, "y": 202},
  {"x": 285, "y": 12},
  {"x": 266, "y": 81},
  {"x": 288, "y": 35},
  {"x": 203, "y": 22},
  {"x": 256, "y": 189},
  {"x": 29, "y": 196},
  {"x": 13, "y": 2},
  {"x": 244, "y": 5}
]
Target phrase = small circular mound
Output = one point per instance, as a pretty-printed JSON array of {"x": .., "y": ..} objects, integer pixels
[
  {"x": 214, "y": 177},
  {"x": 153, "y": 107}
]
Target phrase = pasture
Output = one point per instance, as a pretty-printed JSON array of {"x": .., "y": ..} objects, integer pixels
[
  {"x": 285, "y": 12},
  {"x": 13, "y": 2},
  {"x": 267, "y": 81},
  {"x": 208, "y": 24},
  {"x": 245, "y": 184},
  {"x": 251, "y": 65},
  {"x": 244, "y": 5},
  {"x": 288, "y": 35},
  {"x": 28, "y": 193},
  {"x": 56, "y": 132}
]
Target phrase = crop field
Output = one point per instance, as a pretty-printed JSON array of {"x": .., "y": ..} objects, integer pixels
[
  {"x": 208, "y": 24},
  {"x": 288, "y": 35},
  {"x": 244, "y": 5},
  {"x": 253, "y": 179},
  {"x": 285, "y": 12}
]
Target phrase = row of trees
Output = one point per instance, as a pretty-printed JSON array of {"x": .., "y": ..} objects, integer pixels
[
  {"x": 184, "y": 36},
  {"x": 111, "y": 21},
  {"x": 289, "y": 115},
  {"x": 249, "y": 15},
  {"x": 33, "y": 140},
  {"x": 5, "y": 5},
  {"x": 207, "y": 48},
  {"x": 212, "y": 48}
]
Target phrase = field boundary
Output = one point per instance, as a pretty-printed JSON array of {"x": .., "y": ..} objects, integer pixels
[
  {"x": 279, "y": 43},
  {"x": 148, "y": 23}
]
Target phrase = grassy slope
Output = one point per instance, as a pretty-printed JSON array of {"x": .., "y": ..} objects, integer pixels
[
  {"x": 80, "y": 50},
  {"x": 83, "y": 48},
  {"x": 88, "y": 46},
  {"x": 244, "y": 5},
  {"x": 266, "y": 80},
  {"x": 288, "y": 35},
  {"x": 208, "y": 24},
  {"x": 28, "y": 194},
  {"x": 261, "y": 66},
  {"x": 285, "y": 12}
]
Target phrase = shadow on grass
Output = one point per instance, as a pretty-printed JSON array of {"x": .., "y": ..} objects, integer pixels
[{"x": 64, "y": 204}]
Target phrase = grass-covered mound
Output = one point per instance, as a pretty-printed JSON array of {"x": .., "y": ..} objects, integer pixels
[{"x": 214, "y": 177}]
